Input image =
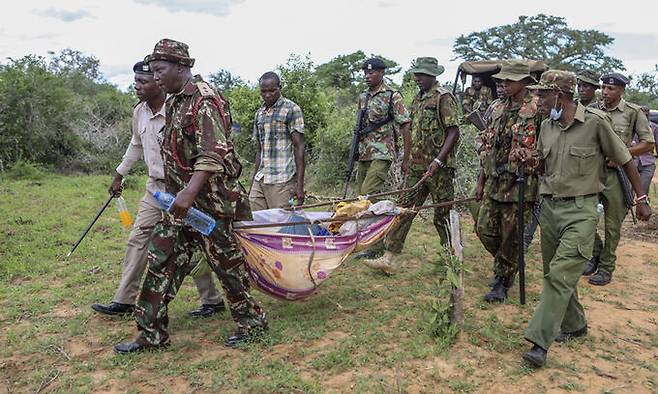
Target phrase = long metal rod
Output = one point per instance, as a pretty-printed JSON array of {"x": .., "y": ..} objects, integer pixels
[
  {"x": 342, "y": 219},
  {"x": 91, "y": 225},
  {"x": 376, "y": 195}
]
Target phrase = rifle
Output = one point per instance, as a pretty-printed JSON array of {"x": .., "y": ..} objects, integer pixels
[
  {"x": 91, "y": 224},
  {"x": 354, "y": 148},
  {"x": 627, "y": 191},
  {"x": 520, "y": 181}
]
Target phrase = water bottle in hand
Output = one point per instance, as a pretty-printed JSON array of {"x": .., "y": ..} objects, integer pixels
[
  {"x": 124, "y": 214},
  {"x": 195, "y": 218}
]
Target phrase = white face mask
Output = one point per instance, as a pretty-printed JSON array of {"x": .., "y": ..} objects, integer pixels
[{"x": 555, "y": 113}]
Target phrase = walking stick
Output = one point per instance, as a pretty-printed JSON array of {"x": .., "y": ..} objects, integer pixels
[
  {"x": 91, "y": 224},
  {"x": 520, "y": 180}
]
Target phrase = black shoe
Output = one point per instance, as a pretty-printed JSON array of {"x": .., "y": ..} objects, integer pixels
[
  {"x": 135, "y": 347},
  {"x": 370, "y": 254},
  {"x": 592, "y": 266},
  {"x": 242, "y": 337},
  {"x": 567, "y": 336},
  {"x": 536, "y": 356},
  {"x": 601, "y": 278},
  {"x": 498, "y": 292},
  {"x": 207, "y": 310},
  {"x": 114, "y": 308}
]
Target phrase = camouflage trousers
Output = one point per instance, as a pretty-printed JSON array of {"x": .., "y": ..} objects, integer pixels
[
  {"x": 440, "y": 187},
  {"x": 497, "y": 230},
  {"x": 170, "y": 262}
]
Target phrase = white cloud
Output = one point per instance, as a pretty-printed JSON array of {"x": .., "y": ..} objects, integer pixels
[
  {"x": 213, "y": 7},
  {"x": 61, "y": 14}
]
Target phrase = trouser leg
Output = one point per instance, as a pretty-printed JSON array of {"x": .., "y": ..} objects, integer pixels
[
  {"x": 396, "y": 237},
  {"x": 615, "y": 212},
  {"x": 135, "y": 260},
  {"x": 207, "y": 290},
  {"x": 567, "y": 238},
  {"x": 257, "y": 200},
  {"x": 442, "y": 189},
  {"x": 646, "y": 175},
  {"x": 170, "y": 260},
  {"x": 488, "y": 226},
  {"x": 226, "y": 259},
  {"x": 372, "y": 176}
]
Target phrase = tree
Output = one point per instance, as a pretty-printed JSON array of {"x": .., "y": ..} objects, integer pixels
[
  {"x": 224, "y": 80},
  {"x": 541, "y": 37}
]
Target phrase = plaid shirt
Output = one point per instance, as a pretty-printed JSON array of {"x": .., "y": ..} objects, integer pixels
[{"x": 273, "y": 127}]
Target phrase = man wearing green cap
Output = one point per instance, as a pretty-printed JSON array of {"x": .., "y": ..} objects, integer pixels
[
  {"x": 627, "y": 120},
  {"x": 574, "y": 143},
  {"x": 435, "y": 131},
  {"x": 384, "y": 118},
  {"x": 588, "y": 84},
  {"x": 513, "y": 127},
  {"x": 201, "y": 168}
]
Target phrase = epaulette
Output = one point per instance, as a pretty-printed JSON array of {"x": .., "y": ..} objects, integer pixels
[
  {"x": 634, "y": 106},
  {"x": 598, "y": 112},
  {"x": 205, "y": 89}
]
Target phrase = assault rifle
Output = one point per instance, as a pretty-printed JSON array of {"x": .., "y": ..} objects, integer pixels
[{"x": 627, "y": 190}]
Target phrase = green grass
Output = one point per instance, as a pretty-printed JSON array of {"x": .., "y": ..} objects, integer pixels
[{"x": 361, "y": 332}]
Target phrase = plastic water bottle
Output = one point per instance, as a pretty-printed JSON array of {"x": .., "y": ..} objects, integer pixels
[
  {"x": 599, "y": 209},
  {"x": 195, "y": 218},
  {"x": 124, "y": 215}
]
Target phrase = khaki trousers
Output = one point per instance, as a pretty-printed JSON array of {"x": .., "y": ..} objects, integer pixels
[
  {"x": 277, "y": 195},
  {"x": 135, "y": 260}
]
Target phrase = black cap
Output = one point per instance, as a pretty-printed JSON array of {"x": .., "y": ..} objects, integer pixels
[
  {"x": 374, "y": 64},
  {"x": 615, "y": 79},
  {"x": 142, "y": 68}
]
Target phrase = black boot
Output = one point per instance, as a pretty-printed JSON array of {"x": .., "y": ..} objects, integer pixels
[
  {"x": 592, "y": 266},
  {"x": 498, "y": 291},
  {"x": 207, "y": 310},
  {"x": 243, "y": 336},
  {"x": 601, "y": 278},
  {"x": 536, "y": 356},
  {"x": 114, "y": 308},
  {"x": 567, "y": 336}
]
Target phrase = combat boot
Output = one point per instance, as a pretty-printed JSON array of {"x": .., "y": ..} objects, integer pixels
[
  {"x": 536, "y": 356},
  {"x": 388, "y": 263},
  {"x": 498, "y": 291},
  {"x": 601, "y": 278},
  {"x": 592, "y": 266}
]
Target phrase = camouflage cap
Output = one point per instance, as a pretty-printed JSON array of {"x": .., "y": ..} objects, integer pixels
[
  {"x": 562, "y": 81},
  {"x": 171, "y": 51},
  {"x": 514, "y": 70},
  {"x": 589, "y": 77},
  {"x": 427, "y": 65}
]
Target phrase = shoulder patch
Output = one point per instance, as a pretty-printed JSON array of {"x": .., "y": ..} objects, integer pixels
[{"x": 205, "y": 89}]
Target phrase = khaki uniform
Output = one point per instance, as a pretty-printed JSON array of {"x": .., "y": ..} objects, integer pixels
[
  {"x": 574, "y": 159},
  {"x": 627, "y": 119}
]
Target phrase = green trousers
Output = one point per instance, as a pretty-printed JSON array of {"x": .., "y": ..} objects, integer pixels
[
  {"x": 440, "y": 187},
  {"x": 497, "y": 229},
  {"x": 371, "y": 176},
  {"x": 567, "y": 239},
  {"x": 612, "y": 198}
]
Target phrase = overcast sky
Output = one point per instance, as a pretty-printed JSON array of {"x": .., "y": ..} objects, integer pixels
[{"x": 249, "y": 37}]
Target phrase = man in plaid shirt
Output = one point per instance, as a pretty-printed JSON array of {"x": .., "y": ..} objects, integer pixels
[{"x": 279, "y": 134}]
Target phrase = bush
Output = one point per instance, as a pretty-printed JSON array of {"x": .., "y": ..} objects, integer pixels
[{"x": 25, "y": 170}]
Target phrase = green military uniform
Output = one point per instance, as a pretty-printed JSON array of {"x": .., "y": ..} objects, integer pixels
[
  {"x": 574, "y": 162},
  {"x": 477, "y": 99},
  {"x": 432, "y": 113},
  {"x": 196, "y": 137},
  {"x": 627, "y": 119},
  {"x": 378, "y": 149},
  {"x": 512, "y": 125}
]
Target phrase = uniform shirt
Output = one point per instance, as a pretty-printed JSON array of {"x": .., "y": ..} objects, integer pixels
[
  {"x": 474, "y": 99},
  {"x": 511, "y": 125},
  {"x": 574, "y": 156},
  {"x": 628, "y": 119},
  {"x": 380, "y": 144},
  {"x": 145, "y": 141},
  {"x": 595, "y": 103},
  {"x": 197, "y": 138},
  {"x": 648, "y": 158},
  {"x": 432, "y": 113},
  {"x": 273, "y": 127}
]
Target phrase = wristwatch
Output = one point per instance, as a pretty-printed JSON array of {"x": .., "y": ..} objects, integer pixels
[{"x": 439, "y": 162}]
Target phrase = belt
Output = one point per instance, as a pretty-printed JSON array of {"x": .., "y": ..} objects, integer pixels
[{"x": 571, "y": 198}]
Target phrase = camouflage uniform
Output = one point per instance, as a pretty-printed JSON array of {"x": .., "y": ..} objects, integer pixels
[
  {"x": 197, "y": 137},
  {"x": 477, "y": 100},
  {"x": 432, "y": 113},
  {"x": 511, "y": 125},
  {"x": 379, "y": 148}
]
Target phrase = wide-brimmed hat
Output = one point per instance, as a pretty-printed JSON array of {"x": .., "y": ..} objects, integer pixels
[
  {"x": 559, "y": 80},
  {"x": 428, "y": 66},
  {"x": 589, "y": 77},
  {"x": 171, "y": 51},
  {"x": 514, "y": 70}
]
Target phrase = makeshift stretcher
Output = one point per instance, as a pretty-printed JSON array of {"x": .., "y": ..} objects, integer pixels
[
  {"x": 290, "y": 253},
  {"x": 289, "y": 261}
]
